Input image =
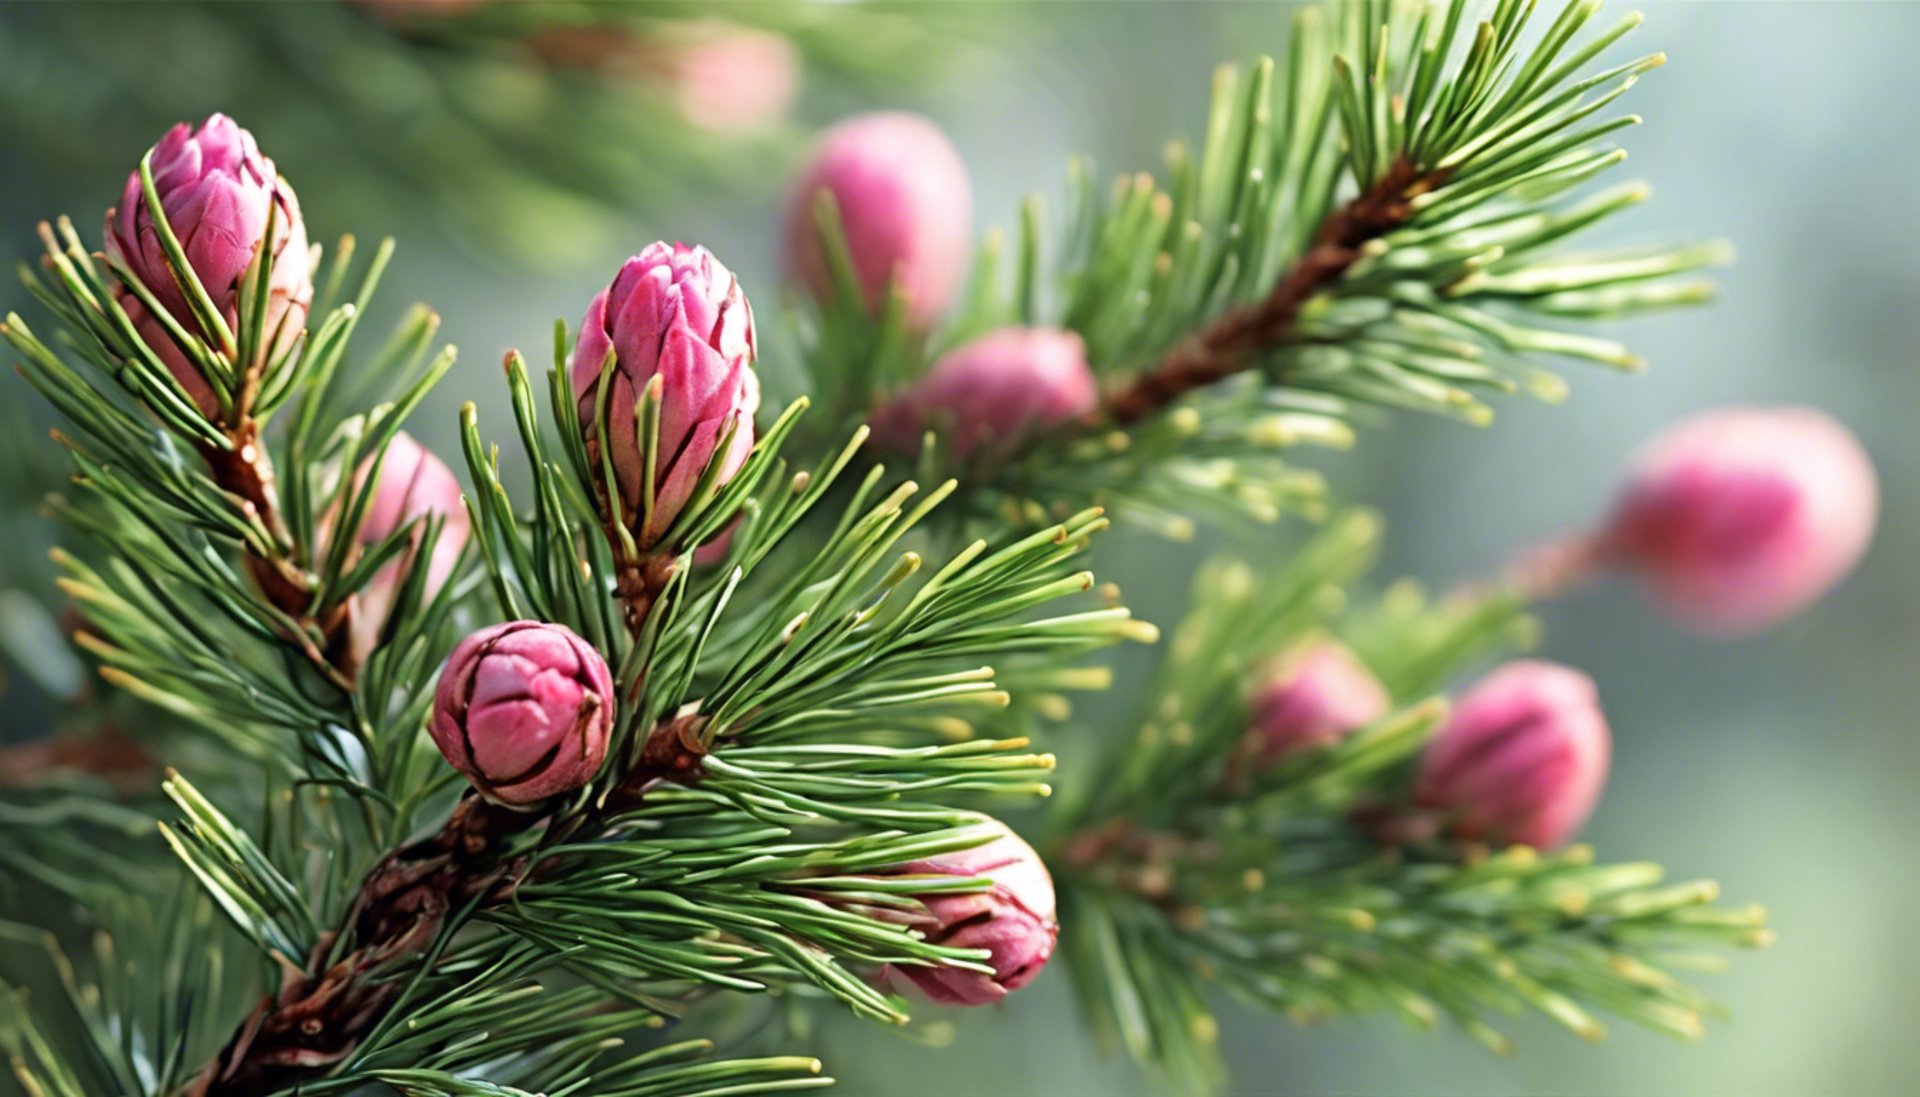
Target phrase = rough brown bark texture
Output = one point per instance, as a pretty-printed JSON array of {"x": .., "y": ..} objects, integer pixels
[{"x": 321, "y": 1014}]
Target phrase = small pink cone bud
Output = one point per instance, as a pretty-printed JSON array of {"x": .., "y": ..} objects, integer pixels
[
  {"x": 905, "y": 206},
  {"x": 729, "y": 79},
  {"x": 672, "y": 312},
  {"x": 1742, "y": 517},
  {"x": 414, "y": 485},
  {"x": 524, "y": 709},
  {"x": 216, "y": 190},
  {"x": 994, "y": 392},
  {"x": 1013, "y": 920},
  {"x": 1313, "y": 698},
  {"x": 1522, "y": 759}
]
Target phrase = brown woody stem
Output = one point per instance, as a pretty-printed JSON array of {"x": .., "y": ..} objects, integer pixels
[
  {"x": 640, "y": 584},
  {"x": 1229, "y": 344},
  {"x": 322, "y": 1012},
  {"x": 244, "y": 470}
]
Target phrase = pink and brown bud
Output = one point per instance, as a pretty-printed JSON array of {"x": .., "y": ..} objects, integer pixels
[
  {"x": 1742, "y": 517},
  {"x": 993, "y": 393},
  {"x": 524, "y": 709},
  {"x": 216, "y": 189},
  {"x": 675, "y": 313},
  {"x": 414, "y": 486},
  {"x": 1522, "y": 759},
  {"x": 1013, "y": 920},
  {"x": 1312, "y": 698},
  {"x": 905, "y": 207}
]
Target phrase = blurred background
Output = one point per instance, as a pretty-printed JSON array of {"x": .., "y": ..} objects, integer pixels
[{"x": 517, "y": 175}]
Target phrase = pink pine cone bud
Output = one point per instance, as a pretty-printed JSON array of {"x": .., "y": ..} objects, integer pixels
[
  {"x": 905, "y": 206},
  {"x": 1313, "y": 698},
  {"x": 1522, "y": 759},
  {"x": 673, "y": 312},
  {"x": 1742, "y": 517},
  {"x": 994, "y": 392},
  {"x": 216, "y": 189},
  {"x": 524, "y": 709},
  {"x": 730, "y": 79},
  {"x": 1013, "y": 921},
  {"x": 414, "y": 485}
]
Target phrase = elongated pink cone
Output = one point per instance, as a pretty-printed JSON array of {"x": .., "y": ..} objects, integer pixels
[
  {"x": 1313, "y": 698},
  {"x": 216, "y": 189},
  {"x": 673, "y": 312},
  {"x": 905, "y": 205},
  {"x": 1013, "y": 920},
  {"x": 524, "y": 709},
  {"x": 1523, "y": 758},
  {"x": 1742, "y": 517},
  {"x": 414, "y": 485},
  {"x": 993, "y": 393}
]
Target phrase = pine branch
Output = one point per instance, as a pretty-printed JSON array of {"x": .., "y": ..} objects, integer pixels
[
  {"x": 160, "y": 482},
  {"x": 1381, "y": 224},
  {"x": 1229, "y": 343},
  {"x": 716, "y": 734},
  {"x": 1186, "y": 867}
]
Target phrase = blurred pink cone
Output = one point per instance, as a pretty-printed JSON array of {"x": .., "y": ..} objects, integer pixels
[
  {"x": 905, "y": 206},
  {"x": 1313, "y": 698},
  {"x": 414, "y": 485},
  {"x": 1522, "y": 759},
  {"x": 1742, "y": 517},
  {"x": 729, "y": 79},
  {"x": 1013, "y": 921},
  {"x": 993, "y": 393}
]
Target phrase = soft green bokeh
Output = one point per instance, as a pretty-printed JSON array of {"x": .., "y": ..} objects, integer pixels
[{"x": 1783, "y": 766}]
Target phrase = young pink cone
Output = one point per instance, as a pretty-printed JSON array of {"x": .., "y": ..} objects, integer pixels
[
  {"x": 524, "y": 709},
  {"x": 1522, "y": 759},
  {"x": 729, "y": 79},
  {"x": 216, "y": 190},
  {"x": 1013, "y": 921},
  {"x": 1313, "y": 698},
  {"x": 1742, "y": 517},
  {"x": 993, "y": 393},
  {"x": 676, "y": 313},
  {"x": 905, "y": 206},
  {"x": 414, "y": 485}
]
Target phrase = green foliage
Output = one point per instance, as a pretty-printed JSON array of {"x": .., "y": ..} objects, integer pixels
[{"x": 135, "y": 1012}]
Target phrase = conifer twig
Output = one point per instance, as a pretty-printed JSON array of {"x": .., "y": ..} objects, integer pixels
[
  {"x": 243, "y": 469},
  {"x": 1227, "y": 344}
]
